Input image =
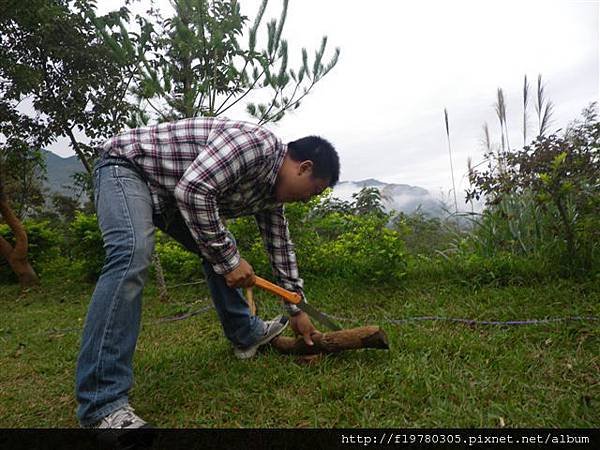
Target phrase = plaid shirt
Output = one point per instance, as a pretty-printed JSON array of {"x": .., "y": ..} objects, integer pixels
[{"x": 214, "y": 168}]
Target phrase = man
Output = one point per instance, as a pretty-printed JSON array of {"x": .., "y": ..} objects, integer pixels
[{"x": 184, "y": 177}]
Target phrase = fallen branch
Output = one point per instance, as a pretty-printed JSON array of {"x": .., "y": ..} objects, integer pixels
[{"x": 334, "y": 342}]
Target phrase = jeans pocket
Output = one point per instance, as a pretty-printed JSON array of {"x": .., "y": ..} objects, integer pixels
[
  {"x": 127, "y": 172},
  {"x": 130, "y": 181}
]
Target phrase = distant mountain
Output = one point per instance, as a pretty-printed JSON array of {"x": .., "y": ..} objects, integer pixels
[
  {"x": 369, "y": 182},
  {"x": 59, "y": 172},
  {"x": 398, "y": 197}
]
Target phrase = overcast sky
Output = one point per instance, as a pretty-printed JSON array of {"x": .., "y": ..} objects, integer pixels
[{"x": 403, "y": 62}]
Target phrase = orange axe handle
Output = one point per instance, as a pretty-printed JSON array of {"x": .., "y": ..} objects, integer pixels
[{"x": 290, "y": 296}]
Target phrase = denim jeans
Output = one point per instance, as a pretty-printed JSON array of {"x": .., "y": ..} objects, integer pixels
[{"x": 104, "y": 368}]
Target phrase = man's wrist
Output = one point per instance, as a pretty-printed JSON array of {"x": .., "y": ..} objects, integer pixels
[{"x": 228, "y": 265}]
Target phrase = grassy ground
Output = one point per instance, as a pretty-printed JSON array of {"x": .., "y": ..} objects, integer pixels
[{"x": 436, "y": 374}]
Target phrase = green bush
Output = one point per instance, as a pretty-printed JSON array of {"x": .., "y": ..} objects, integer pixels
[
  {"x": 86, "y": 245},
  {"x": 521, "y": 226},
  {"x": 334, "y": 244},
  {"x": 516, "y": 224},
  {"x": 548, "y": 194},
  {"x": 44, "y": 242},
  {"x": 424, "y": 235},
  {"x": 87, "y": 252},
  {"x": 250, "y": 244},
  {"x": 364, "y": 249},
  {"x": 178, "y": 263}
]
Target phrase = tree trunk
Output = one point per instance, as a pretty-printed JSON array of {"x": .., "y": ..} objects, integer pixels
[
  {"x": 17, "y": 255},
  {"x": 78, "y": 151},
  {"x": 334, "y": 342}
]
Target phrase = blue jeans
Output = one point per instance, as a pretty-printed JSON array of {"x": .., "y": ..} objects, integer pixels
[{"x": 104, "y": 367}]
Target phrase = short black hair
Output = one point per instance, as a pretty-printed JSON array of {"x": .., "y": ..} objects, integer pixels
[{"x": 326, "y": 163}]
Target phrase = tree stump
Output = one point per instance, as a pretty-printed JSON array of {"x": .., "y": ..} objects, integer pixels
[{"x": 333, "y": 342}]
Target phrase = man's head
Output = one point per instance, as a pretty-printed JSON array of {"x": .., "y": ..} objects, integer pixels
[{"x": 310, "y": 166}]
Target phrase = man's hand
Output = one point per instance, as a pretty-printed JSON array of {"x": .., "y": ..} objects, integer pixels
[
  {"x": 242, "y": 276},
  {"x": 302, "y": 325}
]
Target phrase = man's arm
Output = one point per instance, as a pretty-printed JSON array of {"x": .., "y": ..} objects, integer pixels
[
  {"x": 276, "y": 236},
  {"x": 228, "y": 155},
  {"x": 273, "y": 227}
]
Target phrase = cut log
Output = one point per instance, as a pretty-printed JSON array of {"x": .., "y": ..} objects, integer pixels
[{"x": 333, "y": 342}]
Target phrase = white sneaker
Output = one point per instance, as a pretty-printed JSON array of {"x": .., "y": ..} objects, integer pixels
[
  {"x": 121, "y": 418},
  {"x": 274, "y": 328}
]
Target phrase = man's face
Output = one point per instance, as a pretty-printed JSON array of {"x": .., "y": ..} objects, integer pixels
[{"x": 300, "y": 185}]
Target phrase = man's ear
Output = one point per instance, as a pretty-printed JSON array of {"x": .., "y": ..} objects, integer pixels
[{"x": 305, "y": 166}]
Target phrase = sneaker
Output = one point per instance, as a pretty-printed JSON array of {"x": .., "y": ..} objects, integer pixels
[
  {"x": 274, "y": 328},
  {"x": 121, "y": 418}
]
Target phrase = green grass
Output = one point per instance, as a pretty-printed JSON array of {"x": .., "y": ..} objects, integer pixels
[{"x": 436, "y": 374}]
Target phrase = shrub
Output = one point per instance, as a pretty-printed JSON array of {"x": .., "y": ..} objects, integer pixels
[
  {"x": 86, "y": 245},
  {"x": 250, "y": 244},
  {"x": 177, "y": 262},
  {"x": 364, "y": 249},
  {"x": 561, "y": 174},
  {"x": 333, "y": 244},
  {"x": 424, "y": 235}
]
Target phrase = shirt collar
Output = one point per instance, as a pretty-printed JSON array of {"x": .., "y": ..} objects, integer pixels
[{"x": 279, "y": 157}]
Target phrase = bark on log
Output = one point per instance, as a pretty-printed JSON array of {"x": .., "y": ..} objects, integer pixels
[{"x": 334, "y": 342}]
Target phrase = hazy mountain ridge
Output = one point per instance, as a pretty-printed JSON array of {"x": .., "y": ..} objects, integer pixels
[
  {"x": 398, "y": 197},
  {"x": 60, "y": 171}
]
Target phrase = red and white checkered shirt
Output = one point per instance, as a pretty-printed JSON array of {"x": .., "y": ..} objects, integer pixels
[{"x": 214, "y": 168}]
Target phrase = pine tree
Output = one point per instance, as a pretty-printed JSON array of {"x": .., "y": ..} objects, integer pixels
[{"x": 193, "y": 63}]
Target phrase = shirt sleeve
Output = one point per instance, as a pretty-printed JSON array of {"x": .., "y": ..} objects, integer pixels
[
  {"x": 229, "y": 154},
  {"x": 274, "y": 229}
]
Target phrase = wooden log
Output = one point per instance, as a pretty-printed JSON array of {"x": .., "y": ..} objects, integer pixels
[{"x": 333, "y": 342}]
